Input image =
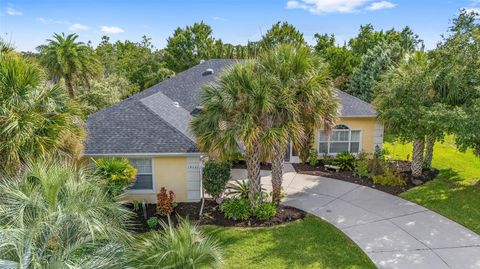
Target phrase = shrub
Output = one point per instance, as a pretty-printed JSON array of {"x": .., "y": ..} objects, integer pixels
[
  {"x": 215, "y": 177},
  {"x": 152, "y": 222},
  {"x": 182, "y": 246},
  {"x": 361, "y": 165},
  {"x": 236, "y": 209},
  {"x": 345, "y": 160},
  {"x": 265, "y": 211},
  {"x": 165, "y": 202},
  {"x": 389, "y": 178},
  {"x": 377, "y": 166},
  {"x": 115, "y": 174},
  {"x": 313, "y": 157},
  {"x": 239, "y": 189},
  {"x": 327, "y": 159}
]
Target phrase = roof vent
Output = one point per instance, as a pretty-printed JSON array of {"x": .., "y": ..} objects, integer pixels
[
  {"x": 202, "y": 61},
  {"x": 208, "y": 71},
  {"x": 176, "y": 104}
]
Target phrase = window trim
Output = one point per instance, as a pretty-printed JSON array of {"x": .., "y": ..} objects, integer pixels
[
  {"x": 144, "y": 191},
  {"x": 349, "y": 140}
]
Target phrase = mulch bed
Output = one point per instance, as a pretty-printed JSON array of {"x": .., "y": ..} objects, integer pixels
[
  {"x": 212, "y": 216},
  {"x": 402, "y": 167}
]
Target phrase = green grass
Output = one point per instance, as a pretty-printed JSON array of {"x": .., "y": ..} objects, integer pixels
[
  {"x": 455, "y": 193},
  {"x": 308, "y": 243}
]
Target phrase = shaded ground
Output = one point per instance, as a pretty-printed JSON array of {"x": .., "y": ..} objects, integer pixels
[
  {"x": 307, "y": 243},
  {"x": 455, "y": 193}
]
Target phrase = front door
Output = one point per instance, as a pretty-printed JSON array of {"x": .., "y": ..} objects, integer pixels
[{"x": 294, "y": 155}]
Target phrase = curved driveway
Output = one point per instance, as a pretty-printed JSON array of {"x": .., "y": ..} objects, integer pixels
[{"x": 393, "y": 232}]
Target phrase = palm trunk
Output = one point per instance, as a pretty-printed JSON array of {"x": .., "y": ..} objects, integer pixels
[
  {"x": 307, "y": 144},
  {"x": 427, "y": 162},
  {"x": 277, "y": 174},
  {"x": 68, "y": 83},
  {"x": 252, "y": 158},
  {"x": 417, "y": 156}
]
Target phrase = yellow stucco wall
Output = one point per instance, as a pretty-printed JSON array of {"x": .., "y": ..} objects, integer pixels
[
  {"x": 168, "y": 172},
  {"x": 367, "y": 127}
]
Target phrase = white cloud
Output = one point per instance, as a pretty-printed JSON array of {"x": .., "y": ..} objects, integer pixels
[
  {"x": 215, "y": 18},
  {"x": 381, "y": 5},
  {"x": 13, "y": 12},
  {"x": 337, "y": 6},
  {"x": 78, "y": 27},
  {"x": 327, "y": 6},
  {"x": 52, "y": 21},
  {"x": 111, "y": 29}
]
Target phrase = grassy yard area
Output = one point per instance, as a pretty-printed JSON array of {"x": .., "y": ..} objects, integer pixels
[
  {"x": 455, "y": 193},
  {"x": 308, "y": 243}
]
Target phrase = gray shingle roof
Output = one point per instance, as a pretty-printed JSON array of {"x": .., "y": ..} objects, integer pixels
[
  {"x": 156, "y": 119},
  {"x": 351, "y": 106}
]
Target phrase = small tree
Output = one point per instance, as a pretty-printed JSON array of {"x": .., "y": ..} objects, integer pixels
[
  {"x": 404, "y": 100},
  {"x": 215, "y": 177}
]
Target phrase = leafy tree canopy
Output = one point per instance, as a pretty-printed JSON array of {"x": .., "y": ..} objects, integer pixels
[
  {"x": 282, "y": 33},
  {"x": 188, "y": 46}
]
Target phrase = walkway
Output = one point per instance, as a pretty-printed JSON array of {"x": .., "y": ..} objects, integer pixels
[{"x": 393, "y": 232}]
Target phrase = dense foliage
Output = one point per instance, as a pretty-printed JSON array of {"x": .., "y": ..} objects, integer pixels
[
  {"x": 115, "y": 174},
  {"x": 215, "y": 177},
  {"x": 345, "y": 160},
  {"x": 184, "y": 246},
  {"x": 55, "y": 215},
  {"x": 35, "y": 118},
  {"x": 236, "y": 209}
]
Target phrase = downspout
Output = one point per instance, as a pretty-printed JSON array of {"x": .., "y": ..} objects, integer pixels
[{"x": 202, "y": 191}]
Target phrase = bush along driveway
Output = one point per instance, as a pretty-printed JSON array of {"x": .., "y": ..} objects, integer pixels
[{"x": 393, "y": 232}]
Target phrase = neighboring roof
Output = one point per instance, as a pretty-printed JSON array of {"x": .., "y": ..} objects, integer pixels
[
  {"x": 351, "y": 106},
  {"x": 156, "y": 120}
]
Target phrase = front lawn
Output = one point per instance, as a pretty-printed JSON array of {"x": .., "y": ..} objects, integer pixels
[
  {"x": 307, "y": 243},
  {"x": 455, "y": 193}
]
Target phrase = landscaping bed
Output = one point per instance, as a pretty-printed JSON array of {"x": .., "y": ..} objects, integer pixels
[
  {"x": 400, "y": 167},
  {"x": 211, "y": 215}
]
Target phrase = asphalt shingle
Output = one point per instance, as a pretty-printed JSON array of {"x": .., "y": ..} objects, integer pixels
[{"x": 156, "y": 119}]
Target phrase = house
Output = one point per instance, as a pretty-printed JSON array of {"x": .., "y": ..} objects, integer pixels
[{"x": 151, "y": 129}]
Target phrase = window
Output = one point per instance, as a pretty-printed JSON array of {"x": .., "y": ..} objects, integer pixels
[
  {"x": 341, "y": 139},
  {"x": 144, "y": 180}
]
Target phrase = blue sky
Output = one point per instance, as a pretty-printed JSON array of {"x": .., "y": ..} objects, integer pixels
[{"x": 28, "y": 23}]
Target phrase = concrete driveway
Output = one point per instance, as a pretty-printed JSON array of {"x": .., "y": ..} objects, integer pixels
[{"x": 393, "y": 232}]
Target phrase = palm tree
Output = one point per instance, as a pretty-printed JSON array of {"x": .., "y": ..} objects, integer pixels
[
  {"x": 54, "y": 215},
  {"x": 185, "y": 246},
  {"x": 235, "y": 113},
  {"x": 66, "y": 58},
  {"x": 305, "y": 101},
  {"x": 34, "y": 118}
]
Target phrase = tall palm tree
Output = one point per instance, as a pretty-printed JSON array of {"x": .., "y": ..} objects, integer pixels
[
  {"x": 66, "y": 58},
  {"x": 54, "y": 216},
  {"x": 235, "y": 112},
  {"x": 34, "y": 117},
  {"x": 305, "y": 101},
  {"x": 184, "y": 246}
]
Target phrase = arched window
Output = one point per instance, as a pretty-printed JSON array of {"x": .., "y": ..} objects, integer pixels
[{"x": 341, "y": 139}]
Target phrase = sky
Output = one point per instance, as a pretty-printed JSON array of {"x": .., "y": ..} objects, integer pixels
[{"x": 28, "y": 23}]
